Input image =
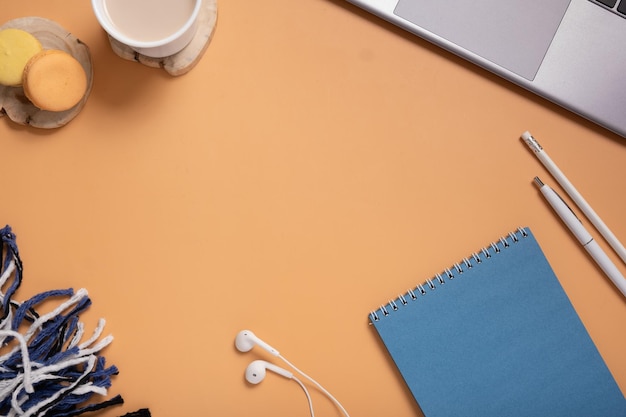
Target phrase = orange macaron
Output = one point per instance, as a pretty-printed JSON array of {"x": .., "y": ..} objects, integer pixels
[{"x": 54, "y": 80}]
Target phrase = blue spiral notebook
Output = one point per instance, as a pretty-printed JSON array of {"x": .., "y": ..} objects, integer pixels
[{"x": 495, "y": 335}]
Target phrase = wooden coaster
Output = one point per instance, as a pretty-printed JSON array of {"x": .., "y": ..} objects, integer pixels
[
  {"x": 13, "y": 101},
  {"x": 183, "y": 61}
]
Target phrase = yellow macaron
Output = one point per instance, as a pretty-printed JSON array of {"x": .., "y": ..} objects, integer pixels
[
  {"x": 17, "y": 47},
  {"x": 54, "y": 80}
]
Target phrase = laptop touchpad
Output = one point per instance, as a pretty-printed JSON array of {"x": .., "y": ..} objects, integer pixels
[{"x": 513, "y": 34}]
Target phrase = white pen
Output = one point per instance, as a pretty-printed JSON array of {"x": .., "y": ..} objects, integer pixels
[
  {"x": 576, "y": 227},
  {"x": 575, "y": 195}
]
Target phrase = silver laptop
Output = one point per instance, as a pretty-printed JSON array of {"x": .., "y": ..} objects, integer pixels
[{"x": 572, "y": 52}]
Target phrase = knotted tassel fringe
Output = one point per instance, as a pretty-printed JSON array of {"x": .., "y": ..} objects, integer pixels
[{"x": 45, "y": 366}]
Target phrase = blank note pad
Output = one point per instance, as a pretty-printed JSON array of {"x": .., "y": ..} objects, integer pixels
[{"x": 495, "y": 335}]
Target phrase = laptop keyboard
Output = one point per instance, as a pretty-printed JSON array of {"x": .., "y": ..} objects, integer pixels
[{"x": 616, "y": 6}]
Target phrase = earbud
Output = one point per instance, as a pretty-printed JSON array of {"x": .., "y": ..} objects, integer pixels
[
  {"x": 255, "y": 372},
  {"x": 246, "y": 340}
]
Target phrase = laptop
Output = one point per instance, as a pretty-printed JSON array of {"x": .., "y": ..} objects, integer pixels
[{"x": 571, "y": 52}]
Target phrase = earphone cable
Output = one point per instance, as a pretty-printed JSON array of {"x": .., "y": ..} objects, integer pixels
[
  {"x": 328, "y": 394},
  {"x": 308, "y": 396}
]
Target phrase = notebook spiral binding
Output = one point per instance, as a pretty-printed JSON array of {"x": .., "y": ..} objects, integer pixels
[{"x": 448, "y": 274}]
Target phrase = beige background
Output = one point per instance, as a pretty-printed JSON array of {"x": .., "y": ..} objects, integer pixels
[{"x": 314, "y": 164}]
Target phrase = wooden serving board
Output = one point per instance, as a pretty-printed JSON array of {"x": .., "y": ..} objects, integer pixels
[
  {"x": 13, "y": 101},
  {"x": 183, "y": 61}
]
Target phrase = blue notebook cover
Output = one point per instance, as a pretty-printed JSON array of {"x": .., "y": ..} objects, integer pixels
[{"x": 496, "y": 336}]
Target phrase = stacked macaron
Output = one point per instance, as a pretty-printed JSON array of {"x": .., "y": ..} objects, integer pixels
[{"x": 52, "y": 79}]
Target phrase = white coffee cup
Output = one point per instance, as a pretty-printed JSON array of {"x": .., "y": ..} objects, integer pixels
[{"x": 154, "y": 28}]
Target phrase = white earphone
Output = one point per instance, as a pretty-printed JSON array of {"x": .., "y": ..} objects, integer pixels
[
  {"x": 246, "y": 340},
  {"x": 255, "y": 372}
]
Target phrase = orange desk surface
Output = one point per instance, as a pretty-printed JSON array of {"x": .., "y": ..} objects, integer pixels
[{"x": 316, "y": 163}]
